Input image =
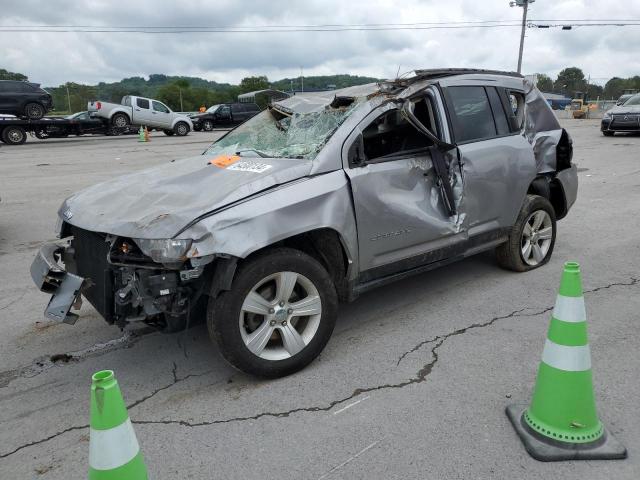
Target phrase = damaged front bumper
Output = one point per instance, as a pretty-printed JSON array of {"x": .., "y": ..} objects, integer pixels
[{"x": 64, "y": 287}]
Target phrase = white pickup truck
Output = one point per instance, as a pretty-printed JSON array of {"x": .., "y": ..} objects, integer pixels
[{"x": 142, "y": 111}]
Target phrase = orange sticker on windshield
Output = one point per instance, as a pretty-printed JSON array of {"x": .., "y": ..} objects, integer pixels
[{"x": 224, "y": 161}]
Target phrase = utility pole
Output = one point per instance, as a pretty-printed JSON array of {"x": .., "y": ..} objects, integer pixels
[
  {"x": 180, "y": 91},
  {"x": 68, "y": 99},
  {"x": 301, "y": 80},
  {"x": 525, "y": 8}
]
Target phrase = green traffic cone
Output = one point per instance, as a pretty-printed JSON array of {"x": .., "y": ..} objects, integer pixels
[
  {"x": 114, "y": 452},
  {"x": 562, "y": 422},
  {"x": 141, "y": 135}
]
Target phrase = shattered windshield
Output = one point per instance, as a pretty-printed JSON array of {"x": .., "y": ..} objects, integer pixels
[
  {"x": 279, "y": 133},
  {"x": 213, "y": 108}
]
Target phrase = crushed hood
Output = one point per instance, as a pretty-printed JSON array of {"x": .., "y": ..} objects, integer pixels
[{"x": 159, "y": 202}]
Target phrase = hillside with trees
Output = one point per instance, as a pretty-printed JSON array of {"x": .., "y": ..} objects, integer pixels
[{"x": 189, "y": 93}]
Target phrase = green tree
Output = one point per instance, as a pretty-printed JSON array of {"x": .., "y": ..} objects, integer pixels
[
  {"x": 251, "y": 84},
  {"x": 570, "y": 80},
  {"x": 6, "y": 75},
  {"x": 545, "y": 84}
]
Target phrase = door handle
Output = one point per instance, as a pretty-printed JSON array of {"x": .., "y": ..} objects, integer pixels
[
  {"x": 154, "y": 112},
  {"x": 137, "y": 109}
]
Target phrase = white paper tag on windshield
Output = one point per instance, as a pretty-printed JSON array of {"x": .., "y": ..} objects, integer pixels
[{"x": 254, "y": 167}]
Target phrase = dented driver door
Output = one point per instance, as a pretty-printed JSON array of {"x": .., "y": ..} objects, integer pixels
[{"x": 401, "y": 218}]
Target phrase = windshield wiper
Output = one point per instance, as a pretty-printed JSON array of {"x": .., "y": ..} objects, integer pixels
[{"x": 261, "y": 154}]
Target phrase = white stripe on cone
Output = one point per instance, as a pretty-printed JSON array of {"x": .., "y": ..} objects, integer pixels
[
  {"x": 570, "y": 309},
  {"x": 109, "y": 449},
  {"x": 570, "y": 359}
]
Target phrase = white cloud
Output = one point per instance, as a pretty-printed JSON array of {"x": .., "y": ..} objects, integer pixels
[{"x": 226, "y": 57}]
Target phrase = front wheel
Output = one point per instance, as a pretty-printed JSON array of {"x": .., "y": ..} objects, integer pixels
[
  {"x": 181, "y": 129},
  {"x": 207, "y": 126},
  {"x": 278, "y": 315},
  {"x": 532, "y": 238}
]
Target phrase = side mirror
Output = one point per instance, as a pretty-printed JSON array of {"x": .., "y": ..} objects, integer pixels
[{"x": 356, "y": 155}]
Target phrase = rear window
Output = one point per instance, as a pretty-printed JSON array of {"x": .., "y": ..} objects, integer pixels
[
  {"x": 473, "y": 119},
  {"x": 142, "y": 103}
]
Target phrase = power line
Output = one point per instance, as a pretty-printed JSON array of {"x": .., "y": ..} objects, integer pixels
[
  {"x": 446, "y": 25},
  {"x": 275, "y": 30}
]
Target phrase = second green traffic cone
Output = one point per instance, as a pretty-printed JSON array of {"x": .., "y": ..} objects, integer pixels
[
  {"x": 562, "y": 422},
  {"x": 114, "y": 452}
]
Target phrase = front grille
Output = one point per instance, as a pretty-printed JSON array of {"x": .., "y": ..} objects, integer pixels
[{"x": 90, "y": 262}]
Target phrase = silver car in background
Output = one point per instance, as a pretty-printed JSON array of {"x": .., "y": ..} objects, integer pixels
[{"x": 317, "y": 199}]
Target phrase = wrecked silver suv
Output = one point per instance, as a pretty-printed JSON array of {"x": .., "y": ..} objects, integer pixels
[{"x": 315, "y": 200}]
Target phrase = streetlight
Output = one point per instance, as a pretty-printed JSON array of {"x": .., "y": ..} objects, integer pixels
[{"x": 525, "y": 5}]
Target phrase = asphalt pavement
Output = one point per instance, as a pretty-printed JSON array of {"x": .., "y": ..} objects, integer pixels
[{"x": 413, "y": 383}]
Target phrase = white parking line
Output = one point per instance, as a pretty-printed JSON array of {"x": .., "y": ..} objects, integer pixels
[
  {"x": 350, "y": 459},
  {"x": 349, "y": 406}
]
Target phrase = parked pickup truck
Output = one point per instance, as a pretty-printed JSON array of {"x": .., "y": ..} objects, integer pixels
[{"x": 142, "y": 111}]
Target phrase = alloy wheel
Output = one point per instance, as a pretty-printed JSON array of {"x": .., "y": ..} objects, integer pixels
[
  {"x": 280, "y": 316},
  {"x": 537, "y": 236}
]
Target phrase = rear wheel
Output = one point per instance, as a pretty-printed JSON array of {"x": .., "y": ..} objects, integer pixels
[
  {"x": 532, "y": 238},
  {"x": 120, "y": 120},
  {"x": 181, "y": 129},
  {"x": 168, "y": 132},
  {"x": 34, "y": 111},
  {"x": 278, "y": 315},
  {"x": 14, "y": 135}
]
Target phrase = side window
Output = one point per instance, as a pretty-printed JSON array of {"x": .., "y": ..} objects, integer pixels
[
  {"x": 225, "y": 111},
  {"x": 160, "y": 107},
  {"x": 472, "y": 114},
  {"x": 23, "y": 88},
  {"x": 499, "y": 115},
  {"x": 5, "y": 87},
  {"x": 142, "y": 103},
  {"x": 516, "y": 100},
  {"x": 390, "y": 135}
]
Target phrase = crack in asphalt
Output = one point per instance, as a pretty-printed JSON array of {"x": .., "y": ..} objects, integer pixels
[
  {"x": 42, "y": 364},
  {"x": 175, "y": 380},
  {"x": 13, "y": 302},
  {"x": 420, "y": 376}
]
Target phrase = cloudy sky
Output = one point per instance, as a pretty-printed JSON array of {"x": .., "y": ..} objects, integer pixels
[{"x": 53, "y": 58}]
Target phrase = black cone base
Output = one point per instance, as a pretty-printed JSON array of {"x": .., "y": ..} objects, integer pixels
[{"x": 548, "y": 450}]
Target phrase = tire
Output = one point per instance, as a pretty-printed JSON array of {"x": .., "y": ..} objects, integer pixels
[
  {"x": 168, "y": 132},
  {"x": 14, "y": 135},
  {"x": 120, "y": 120},
  {"x": 513, "y": 255},
  {"x": 181, "y": 129},
  {"x": 207, "y": 125},
  {"x": 608, "y": 134},
  {"x": 34, "y": 111},
  {"x": 230, "y": 326}
]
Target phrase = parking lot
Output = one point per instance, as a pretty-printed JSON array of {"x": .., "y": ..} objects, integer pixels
[{"x": 413, "y": 383}]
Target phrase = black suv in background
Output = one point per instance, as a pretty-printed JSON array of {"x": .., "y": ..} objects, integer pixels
[
  {"x": 24, "y": 99},
  {"x": 224, "y": 115}
]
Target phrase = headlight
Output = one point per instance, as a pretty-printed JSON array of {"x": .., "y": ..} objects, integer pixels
[
  {"x": 163, "y": 250},
  {"x": 606, "y": 115}
]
